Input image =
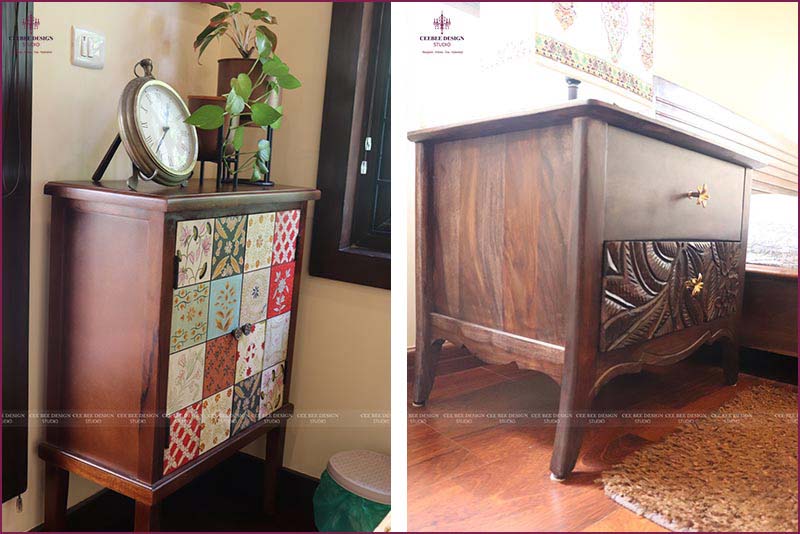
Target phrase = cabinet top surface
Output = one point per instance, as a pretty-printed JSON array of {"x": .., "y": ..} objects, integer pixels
[
  {"x": 159, "y": 198},
  {"x": 594, "y": 109}
]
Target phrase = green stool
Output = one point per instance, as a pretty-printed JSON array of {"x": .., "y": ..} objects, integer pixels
[{"x": 354, "y": 492}]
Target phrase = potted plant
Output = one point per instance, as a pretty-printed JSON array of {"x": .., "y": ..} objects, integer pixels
[
  {"x": 248, "y": 104},
  {"x": 240, "y": 27}
]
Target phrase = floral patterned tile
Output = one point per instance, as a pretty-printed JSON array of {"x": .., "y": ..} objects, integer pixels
[
  {"x": 255, "y": 288},
  {"x": 260, "y": 233},
  {"x": 189, "y": 321},
  {"x": 223, "y": 314},
  {"x": 245, "y": 403},
  {"x": 271, "y": 390},
  {"x": 250, "y": 353},
  {"x": 216, "y": 426},
  {"x": 193, "y": 249},
  {"x": 184, "y": 437},
  {"x": 277, "y": 339},
  {"x": 287, "y": 228},
  {"x": 220, "y": 364},
  {"x": 185, "y": 378},
  {"x": 228, "y": 256},
  {"x": 280, "y": 289}
]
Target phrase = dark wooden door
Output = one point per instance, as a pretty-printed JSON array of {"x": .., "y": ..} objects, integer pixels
[{"x": 17, "y": 77}]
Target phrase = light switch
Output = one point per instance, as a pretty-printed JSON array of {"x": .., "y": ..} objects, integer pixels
[{"x": 88, "y": 48}]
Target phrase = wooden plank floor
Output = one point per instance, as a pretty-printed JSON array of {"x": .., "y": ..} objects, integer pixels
[{"x": 478, "y": 456}]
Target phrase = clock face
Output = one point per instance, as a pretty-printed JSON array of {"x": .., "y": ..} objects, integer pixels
[{"x": 160, "y": 114}]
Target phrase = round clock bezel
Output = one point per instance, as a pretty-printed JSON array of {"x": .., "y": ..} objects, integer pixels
[{"x": 143, "y": 157}]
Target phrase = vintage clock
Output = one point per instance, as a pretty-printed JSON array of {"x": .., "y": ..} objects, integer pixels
[{"x": 152, "y": 127}]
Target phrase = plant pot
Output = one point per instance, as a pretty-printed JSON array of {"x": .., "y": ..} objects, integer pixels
[
  {"x": 207, "y": 140},
  {"x": 233, "y": 66}
]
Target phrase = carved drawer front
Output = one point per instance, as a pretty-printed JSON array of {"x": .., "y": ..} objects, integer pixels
[
  {"x": 229, "y": 334},
  {"x": 653, "y": 288}
]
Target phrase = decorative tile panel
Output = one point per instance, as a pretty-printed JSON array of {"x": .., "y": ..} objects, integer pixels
[
  {"x": 277, "y": 339},
  {"x": 245, "y": 403},
  {"x": 189, "y": 316},
  {"x": 223, "y": 314},
  {"x": 287, "y": 227},
  {"x": 255, "y": 289},
  {"x": 185, "y": 380},
  {"x": 250, "y": 353},
  {"x": 184, "y": 437},
  {"x": 216, "y": 417},
  {"x": 260, "y": 233},
  {"x": 220, "y": 364},
  {"x": 193, "y": 249},
  {"x": 271, "y": 390},
  {"x": 229, "y": 233},
  {"x": 280, "y": 289}
]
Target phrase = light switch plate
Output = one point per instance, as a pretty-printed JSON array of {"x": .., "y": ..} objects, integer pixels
[{"x": 88, "y": 48}]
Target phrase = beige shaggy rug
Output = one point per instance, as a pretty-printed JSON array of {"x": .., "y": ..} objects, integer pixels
[{"x": 735, "y": 470}]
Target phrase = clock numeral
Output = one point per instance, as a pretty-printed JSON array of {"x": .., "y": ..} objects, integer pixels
[
  {"x": 143, "y": 124},
  {"x": 149, "y": 140}
]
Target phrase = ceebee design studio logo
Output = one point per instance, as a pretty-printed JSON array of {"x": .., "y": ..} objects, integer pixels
[
  {"x": 445, "y": 42},
  {"x": 30, "y": 42}
]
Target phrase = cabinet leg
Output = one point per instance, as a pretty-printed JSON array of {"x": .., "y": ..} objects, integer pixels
[
  {"x": 56, "y": 487},
  {"x": 426, "y": 357},
  {"x": 272, "y": 467},
  {"x": 730, "y": 361},
  {"x": 576, "y": 399},
  {"x": 147, "y": 517}
]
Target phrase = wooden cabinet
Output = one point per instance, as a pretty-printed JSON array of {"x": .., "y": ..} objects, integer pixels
[
  {"x": 172, "y": 319},
  {"x": 566, "y": 241}
]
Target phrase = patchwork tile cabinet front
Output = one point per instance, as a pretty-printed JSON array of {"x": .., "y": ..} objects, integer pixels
[
  {"x": 565, "y": 240},
  {"x": 172, "y": 319}
]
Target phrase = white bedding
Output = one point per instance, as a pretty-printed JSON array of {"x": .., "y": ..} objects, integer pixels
[{"x": 772, "y": 236}]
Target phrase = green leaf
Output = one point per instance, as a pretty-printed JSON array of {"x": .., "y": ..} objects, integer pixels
[
  {"x": 275, "y": 67},
  {"x": 260, "y": 14},
  {"x": 208, "y": 227},
  {"x": 264, "y": 114},
  {"x": 257, "y": 174},
  {"x": 262, "y": 43},
  {"x": 270, "y": 34},
  {"x": 222, "y": 5},
  {"x": 277, "y": 124},
  {"x": 219, "y": 18},
  {"x": 287, "y": 81},
  {"x": 234, "y": 104},
  {"x": 203, "y": 34},
  {"x": 195, "y": 233},
  {"x": 238, "y": 138},
  {"x": 263, "y": 150},
  {"x": 235, "y": 8},
  {"x": 243, "y": 85},
  {"x": 208, "y": 117}
]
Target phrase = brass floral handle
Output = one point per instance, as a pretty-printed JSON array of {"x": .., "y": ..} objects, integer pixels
[
  {"x": 701, "y": 195},
  {"x": 695, "y": 284}
]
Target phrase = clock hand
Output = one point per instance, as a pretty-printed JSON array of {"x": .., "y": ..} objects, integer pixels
[{"x": 166, "y": 129}]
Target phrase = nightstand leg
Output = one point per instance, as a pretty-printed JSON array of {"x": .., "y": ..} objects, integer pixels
[
  {"x": 272, "y": 467},
  {"x": 425, "y": 368},
  {"x": 147, "y": 517},
  {"x": 730, "y": 361},
  {"x": 569, "y": 432},
  {"x": 56, "y": 487}
]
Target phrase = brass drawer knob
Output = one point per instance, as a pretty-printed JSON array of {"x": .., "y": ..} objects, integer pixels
[
  {"x": 695, "y": 284},
  {"x": 701, "y": 195},
  {"x": 244, "y": 330}
]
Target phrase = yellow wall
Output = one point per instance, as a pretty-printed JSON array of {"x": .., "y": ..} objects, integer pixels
[
  {"x": 740, "y": 55},
  {"x": 342, "y": 350}
]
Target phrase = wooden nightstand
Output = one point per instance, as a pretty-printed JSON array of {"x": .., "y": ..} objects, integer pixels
[
  {"x": 567, "y": 241},
  {"x": 172, "y": 322}
]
